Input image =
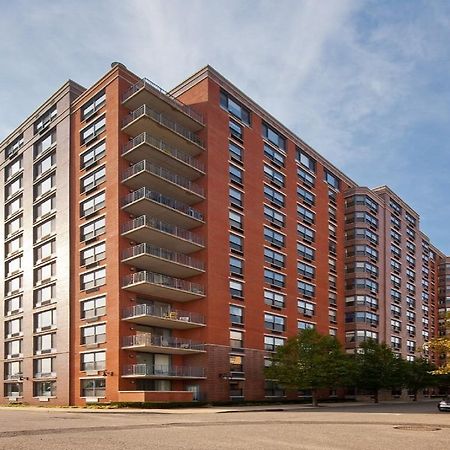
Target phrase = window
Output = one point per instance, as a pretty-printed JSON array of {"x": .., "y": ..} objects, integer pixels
[
  {"x": 273, "y": 136},
  {"x": 45, "y": 320},
  {"x": 93, "y": 334},
  {"x": 234, "y": 107},
  {"x": 274, "y": 155},
  {"x": 45, "y": 120},
  {"x": 396, "y": 325},
  {"x": 13, "y": 390},
  {"x": 44, "y": 186},
  {"x": 274, "y": 216},
  {"x": 92, "y": 204},
  {"x": 236, "y": 340},
  {"x": 306, "y": 289},
  {"x": 44, "y": 295},
  {"x": 44, "y": 388},
  {"x": 13, "y": 370},
  {"x": 44, "y": 368},
  {"x": 307, "y": 215},
  {"x": 362, "y": 317},
  {"x": 306, "y": 196},
  {"x": 93, "y": 179},
  {"x": 236, "y": 289},
  {"x": 306, "y": 160},
  {"x": 236, "y": 314},
  {"x": 13, "y": 168},
  {"x": 236, "y": 197},
  {"x": 236, "y": 152},
  {"x": 271, "y": 343},
  {"x": 13, "y": 305},
  {"x": 14, "y": 146},
  {"x": 236, "y": 174},
  {"x": 236, "y": 130},
  {"x": 93, "y": 254},
  {"x": 274, "y": 175},
  {"x": 13, "y": 328},
  {"x": 306, "y": 270},
  {"x": 92, "y": 131},
  {"x": 396, "y": 342},
  {"x": 362, "y": 300},
  {"x": 45, "y": 273},
  {"x": 93, "y": 307},
  {"x": 45, "y": 251},
  {"x": 14, "y": 285},
  {"x": 13, "y": 266},
  {"x": 273, "y": 257},
  {"x": 93, "y": 361},
  {"x": 92, "y": 229},
  {"x": 236, "y": 363},
  {"x": 236, "y": 243},
  {"x": 45, "y": 343},
  {"x": 306, "y": 233},
  {"x": 236, "y": 266},
  {"x": 93, "y": 105},
  {"x": 274, "y": 299},
  {"x": 13, "y": 226},
  {"x": 236, "y": 220},
  {"x": 44, "y": 208},
  {"x": 306, "y": 308},
  {"x": 274, "y": 278},
  {"x": 306, "y": 177},
  {"x": 273, "y": 196},
  {"x": 332, "y": 180},
  {"x": 44, "y": 165},
  {"x": 95, "y": 387},
  {"x": 90, "y": 280},
  {"x": 274, "y": 237},
  {"x": 301, "y": 325},
  {"x": 274, "y": 323},
  {"x": 306, "y": 252},
  {"x": 13, "y": 187},
  {"x": 13, "y": 349},
  {"x": 44, "y": 144},
  {"x": 92, "y": 155},
  {"x": 44, "y": 229}
]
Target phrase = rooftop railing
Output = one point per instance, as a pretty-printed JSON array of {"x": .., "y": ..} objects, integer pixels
[
  {"x": 163, "y": 312},
  {"x": 145, "y": 83},
  {"x": 150, "y": 340},
  {"x": 164, "y": 371}
]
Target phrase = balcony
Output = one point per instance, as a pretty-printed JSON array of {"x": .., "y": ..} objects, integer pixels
[
  {"x": 147, "y": 92},
  {"x": 164, "y": 317},
  {"x": 149, "y": 257},
  {"x": 148, "y": 202},
  {"x": 146, "y": 146},
  {"x": 144, "y": 173},
  {"x": 145, "y": 119},
  {"x": 149, "y": 343},
  {"x": 163, "y": 286},
  {"x": 159, "y": 372},
  {"x": 149, "y": 229}
]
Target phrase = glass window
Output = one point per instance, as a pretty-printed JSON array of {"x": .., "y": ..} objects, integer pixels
[
  {"x": 45, "y": 119},
  {"x": 236, "y": 339},
  {"x": 45, "y": 207},
  {"x": 13, "y": 168},
  {"x": 306, "y": 177},
  {"x": 44, "y": 295},
  {"x": 236, "y": 174},
  {"x": 305, "y": 160},
  {"x": 13, "y": 370},
  {"x": 236, "y": 243},
  {"x": 93, "y": 254},
  {"x": 13, "y": 305},
  {"x": 14, "y": 146},
  {"x": 93, "y": 334},
  {"x": 236, "y": 266},
  {"x": 236, "y": 130},
  {"x": 44, "y": 144},
  {"x": 307, "y": 197},
  {"x": 92, "y": 229},
  {"x": 45, "y": 251},
  {"x": 274, "y": 196},
  {"x": 274, "y": 237},
  {"x": 13, "y": 349},
  {"x": 236, "y": 314},
  {"x": 273, "y": 322},
  {"x": 44, "y": 164},
  {"x": 306, "y": 289},
  {"x": 274, "y": 278},
  {"x": 271, "y": 343},
  {"x": 332, "y": 180},
  {"x": 93, "y": 279},
  {"x": 92, "y": 131},
  {"x": 306, "y": 270},
  {"x": 44, "y": 229},
  {"x": 308, "y": 234},
  {"x": 274, "y": 299},
  {"x": 236, "y": 152},
  {"x": 273, "y": 257},
  {"x": 92, "y": 155},
  {"x": 274, "y": 175},
  {"x": 306, "y": 308},
  {"x": 13, "y": 187},
  {"x": 236, "y": 220},
  {"x": 45, "y": 320},
  {"x": 13, "y": 266},
  {"x": 274, "y": 155},
  {"x": 92, "y": 204},
  {"x": 14, "y": 285},
  {"x": 93, "y": 361},
  {"x": 306, "y": 214},
  {"x": 13, "y": 207},
  {"x": 95, "y": 387},
  {"x": 44, "y": 186},
  {"x": 13, "y": 327},
  {"x": 44, "y": 388},
  {"x": 234, "y": 107},
  {"x": 93, "y": 179},
  {"x": 236, "y": 197},
  {"x": 273, "y": 136},
  {"x": 93, "y": 105},
  {"x": 275, "y": 217},
  {"x": 44, "y": 367},
  {"x": 45, "y": 343},
  {"x": 236, "y": 289},
  {"x": 93, "y": 307},
  {"x": 45, "y": 273}
]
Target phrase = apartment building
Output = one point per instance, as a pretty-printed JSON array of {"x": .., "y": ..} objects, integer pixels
[{"x": 177, "y": 238}]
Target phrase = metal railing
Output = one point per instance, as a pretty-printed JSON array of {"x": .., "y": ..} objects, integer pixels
[
  {"x": 149, "y": 340},
  {"x": 145, "y": 110},
  {"x": 168, "y": 228},
  {"x": 145, "y": 83},
  {"x": 149, "y": 249},
  {"x": 164, "y": 371},
  {"x": 147, "y": 193},
  {"x": 147, "y": 166},
  {"x": 165, "y": 148},
  {"x": 163, "y": 312},
  {"x": 163, "y": 280}
]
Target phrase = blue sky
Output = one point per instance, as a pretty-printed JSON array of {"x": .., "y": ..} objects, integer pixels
[{"x": 366, "y": 83}]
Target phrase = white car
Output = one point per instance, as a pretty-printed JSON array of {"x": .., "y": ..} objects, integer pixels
[{"x": 444, "y": 404}]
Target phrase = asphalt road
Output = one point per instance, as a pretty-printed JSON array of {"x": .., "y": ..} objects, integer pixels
[{"x": 385, "y": 426}]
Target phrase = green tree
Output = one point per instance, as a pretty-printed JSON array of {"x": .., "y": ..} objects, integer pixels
[
  {"x": 377, "y": 368},
  {"x": 310, "y": 361},
  {"x": 418, "y": 374}
]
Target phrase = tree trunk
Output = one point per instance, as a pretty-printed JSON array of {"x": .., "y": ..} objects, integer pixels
[
  {"x": 415, "y": 395},
  {"x": 315, "y": 400},
  {"x": 375, "y": 397}
]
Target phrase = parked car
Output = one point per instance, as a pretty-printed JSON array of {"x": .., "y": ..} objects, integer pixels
[{"x": 444, "y": 404}]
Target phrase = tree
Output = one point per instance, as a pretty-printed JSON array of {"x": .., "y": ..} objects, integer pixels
[
  {"x": 377, "y": 368},
  {"x": 418, "y": 374},
  {"x": 441, "y": 346},
  {"x": 310, "y": 361}
]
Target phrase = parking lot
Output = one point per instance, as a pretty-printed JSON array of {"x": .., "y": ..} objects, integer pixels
[{"x": 403, "y": 426}]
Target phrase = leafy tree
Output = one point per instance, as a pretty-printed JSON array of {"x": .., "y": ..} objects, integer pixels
[
  {"x": 418, "y": 374},
  {"x": 377, "y": 368},
  {"x": 441, "y": 346},
  {"x": 310, "y": 361}
]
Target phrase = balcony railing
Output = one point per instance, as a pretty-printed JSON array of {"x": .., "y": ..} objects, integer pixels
[
  {"x": 147, "y": 221},
  {"x": 164, "y": 313},
  {"x": 160, "y": 92},
  {"x": 144, "y": 192},
  {"x": 145, "y": 370},
  {"x": 163, "y": 280},
  {"x": 147, "y": 166},
  {"x": 149, "y": 340},
  {"x": 148, "y": 249},
  {"x": 163, "y": 120},
  {"x": 165, "y": 148}
]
